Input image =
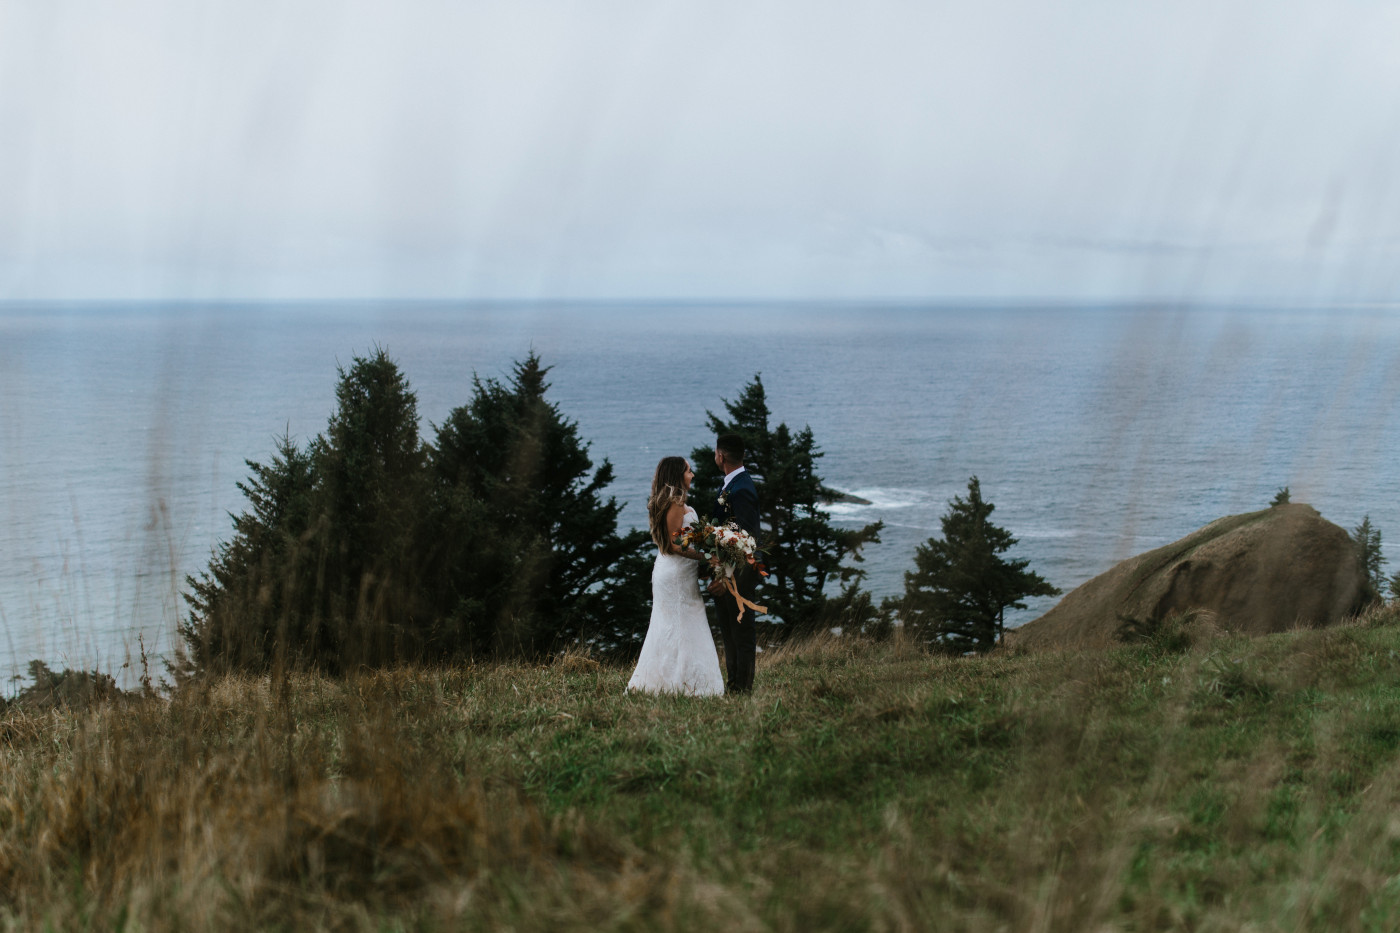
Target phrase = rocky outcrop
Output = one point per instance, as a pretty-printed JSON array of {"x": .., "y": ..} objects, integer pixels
[
  {"x": 65, "y": 689},
  {"x": 1284, "y": 567}
]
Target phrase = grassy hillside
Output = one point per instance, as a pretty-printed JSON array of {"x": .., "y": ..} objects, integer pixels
[{"x": 1236, "y": 784}]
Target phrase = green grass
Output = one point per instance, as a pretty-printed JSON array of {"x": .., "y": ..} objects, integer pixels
[{"x": 1240, "y": 784}]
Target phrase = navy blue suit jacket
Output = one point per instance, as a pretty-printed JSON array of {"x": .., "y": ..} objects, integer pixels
[{"x": 741, "y": 504}]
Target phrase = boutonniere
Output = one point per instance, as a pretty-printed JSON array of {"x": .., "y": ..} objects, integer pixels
[{"x": 723, "y": 499}]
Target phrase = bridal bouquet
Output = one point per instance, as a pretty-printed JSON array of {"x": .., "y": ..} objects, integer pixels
[{"x": 726, "y": 548}]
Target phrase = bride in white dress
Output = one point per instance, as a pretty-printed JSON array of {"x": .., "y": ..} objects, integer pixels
[{"x": 678, "y": 655}]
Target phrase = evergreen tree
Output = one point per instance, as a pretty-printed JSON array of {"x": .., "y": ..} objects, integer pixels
[
  {"x": 804, "y": 552},
  {"x": 252, "y": 602},
  {"x": 1367, "y": 539},
  {"x": 528, "y": 556},
  {"x": 956, "y": 598},
  {"x": 1282, "y": 497},
  {"x": 369, "y": 466}
]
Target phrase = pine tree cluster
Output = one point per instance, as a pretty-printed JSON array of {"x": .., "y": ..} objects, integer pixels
[{"x": 369, "y": 546}]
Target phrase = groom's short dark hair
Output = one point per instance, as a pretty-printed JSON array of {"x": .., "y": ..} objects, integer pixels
[{"x": 732, "y": 446}]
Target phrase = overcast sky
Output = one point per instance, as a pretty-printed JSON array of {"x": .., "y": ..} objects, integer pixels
[{"x": 283, "y": 149}]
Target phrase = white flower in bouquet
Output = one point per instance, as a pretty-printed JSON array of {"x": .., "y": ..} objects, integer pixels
[{"x": 725, "y": 548}]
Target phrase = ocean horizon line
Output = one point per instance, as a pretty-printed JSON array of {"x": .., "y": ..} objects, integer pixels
[{"x": 950, "y": 303}]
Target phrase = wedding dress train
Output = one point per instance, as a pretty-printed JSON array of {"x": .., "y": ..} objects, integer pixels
[{"x": 678, "y": 655}]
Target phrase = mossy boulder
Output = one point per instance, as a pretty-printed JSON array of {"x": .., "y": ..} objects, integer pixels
[{"x": 1269, "y": 571}]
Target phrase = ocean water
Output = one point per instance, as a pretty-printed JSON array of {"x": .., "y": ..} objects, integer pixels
[{"x": 1098, "y": 432}]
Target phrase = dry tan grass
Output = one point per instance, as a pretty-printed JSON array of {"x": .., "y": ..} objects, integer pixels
[
  {"x": 1235, "y": 784},
  {"x": 223, "y": 809}
]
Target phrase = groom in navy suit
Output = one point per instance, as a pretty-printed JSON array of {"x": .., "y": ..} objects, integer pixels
[{"x": 737, "y": 502}]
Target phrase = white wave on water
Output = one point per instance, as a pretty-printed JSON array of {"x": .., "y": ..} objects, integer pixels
[
  {"x": 880, "y": 499},
  {"x": 1047, "y": 533}
]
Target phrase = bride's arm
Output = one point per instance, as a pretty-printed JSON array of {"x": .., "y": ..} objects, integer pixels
[{"x": 675, "y": 521}]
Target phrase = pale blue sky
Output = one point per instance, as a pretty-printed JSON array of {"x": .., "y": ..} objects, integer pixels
[{"x": 548, "y": 148}]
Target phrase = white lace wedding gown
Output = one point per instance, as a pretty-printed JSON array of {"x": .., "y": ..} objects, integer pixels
[{"x": 678, "y": 655}]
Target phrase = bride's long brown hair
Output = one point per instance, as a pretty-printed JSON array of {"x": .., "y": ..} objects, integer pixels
[{"x": 667, "y": 489}]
